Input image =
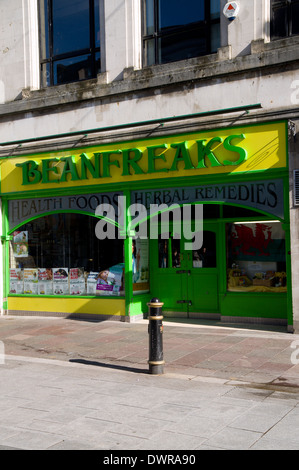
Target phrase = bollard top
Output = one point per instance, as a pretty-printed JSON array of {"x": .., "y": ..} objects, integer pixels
[{"x": 155, "y": 303}]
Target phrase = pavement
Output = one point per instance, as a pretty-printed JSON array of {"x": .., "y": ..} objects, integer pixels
[{"x": 70, "y": 384}]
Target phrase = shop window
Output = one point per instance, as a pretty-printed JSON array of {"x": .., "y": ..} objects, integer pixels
[
  {"x": 60, "y": 255},
  {"x": 175, "y": 30},
  {"x": 284, "y": 18},
  {"x": 256, "y": 257},
  {"x": 69, "y": 40}
]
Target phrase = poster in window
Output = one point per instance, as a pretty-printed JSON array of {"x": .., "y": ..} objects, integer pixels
[
  {"x": 92, "y": 280},
  {"x": 20, "y": 244},
  {"x": 45, "y": 281},
  {"x": 60, "y": 281},
  {"x": 109, "y": 281},
  {"x": 140, "y": 265},
  {"x": 77, "y": 281},
  {"x": 16, "y": 284},
  {"x": 262, "y": 241},
  {"x": 30, "y": 281}
]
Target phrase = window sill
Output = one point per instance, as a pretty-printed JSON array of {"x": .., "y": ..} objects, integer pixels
[{"x": 171, "y": 75}]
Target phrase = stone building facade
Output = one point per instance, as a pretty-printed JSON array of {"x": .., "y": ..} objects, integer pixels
[{"x": 140, "y": 79}]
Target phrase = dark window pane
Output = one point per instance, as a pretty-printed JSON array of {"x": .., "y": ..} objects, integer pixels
[
  {"x": 69, "y": 40},
  {"x": 182, "y": 46},
  {"x": 215, "y": 9},
  {"x": 205, "y": 257},
  {"x": 45, "y": 75},
  {"x": 180, "y": 30},
  {"x": 98, "y": 62},
  {"x": 177, "y": 13},
  {"x": 211, "y": 211},
  {"x": 175, "y": 253},
  {"x": 149, "y": 17},
  {"x": 72, "y": 70},
  {"x": 149, "y": 52},
  {"x": 70, "y": 25},
  {"x": 279, "y": 26},
  {"x": 280, "y": 23},
  {"x": 215, "y": 37},
  {"x": 97, "y": 22},
  {"x": 236, "y": 211},
  {"x": 163, "y": 253},
  {"x": 295, "y": 18}
]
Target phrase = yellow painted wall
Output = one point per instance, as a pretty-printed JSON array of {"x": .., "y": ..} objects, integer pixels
[{"x": 77, "y": 305}]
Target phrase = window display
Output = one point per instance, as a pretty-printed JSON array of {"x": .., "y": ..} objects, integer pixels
[
  {"x": 256, "y": 257},
  {"x": 59, "y": 254}
]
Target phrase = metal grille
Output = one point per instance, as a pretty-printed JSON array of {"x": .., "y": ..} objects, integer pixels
[{"x": 296, "y": 187}]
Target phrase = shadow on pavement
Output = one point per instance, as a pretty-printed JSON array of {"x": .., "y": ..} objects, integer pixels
[{"x": 110, "y": 366}]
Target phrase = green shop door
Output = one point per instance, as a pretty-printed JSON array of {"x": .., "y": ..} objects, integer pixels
[{"x": 186, "y": 280}]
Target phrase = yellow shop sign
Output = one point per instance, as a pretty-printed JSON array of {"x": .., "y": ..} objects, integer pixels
[{"x": 246, "y": 149}]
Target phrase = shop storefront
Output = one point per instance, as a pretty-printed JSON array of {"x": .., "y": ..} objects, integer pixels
[{"x": 84, "y": 232}]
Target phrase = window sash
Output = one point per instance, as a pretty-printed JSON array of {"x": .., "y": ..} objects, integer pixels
[
  {"x": 154, "y": 35},
  {"x": 284, "y": 18},
  {"x": 49, "y": 59}
]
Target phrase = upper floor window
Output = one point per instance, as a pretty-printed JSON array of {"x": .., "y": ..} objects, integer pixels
[
  {"x": 176, "y": 30},
  {"x": 69, "y": 40},
  {"x": 284, "y": 18}
]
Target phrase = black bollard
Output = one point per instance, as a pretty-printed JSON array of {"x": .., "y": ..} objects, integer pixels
[{"x": 155, "y": 330}]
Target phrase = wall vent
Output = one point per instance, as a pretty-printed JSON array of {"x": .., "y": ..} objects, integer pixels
[{"x": 296, "y": 187}]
